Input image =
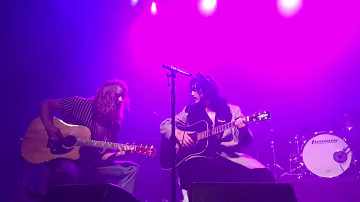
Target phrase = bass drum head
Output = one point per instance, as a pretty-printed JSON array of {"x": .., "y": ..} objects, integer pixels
[{"x": 318, "y": 155}]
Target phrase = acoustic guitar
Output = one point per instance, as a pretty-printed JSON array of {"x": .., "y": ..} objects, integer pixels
[
  {"x": 201, "y": 139},
  {"x": 37, "y": 147}
]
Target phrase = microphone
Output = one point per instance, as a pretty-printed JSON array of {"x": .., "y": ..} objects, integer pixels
[{"x": 176, "y": 70}]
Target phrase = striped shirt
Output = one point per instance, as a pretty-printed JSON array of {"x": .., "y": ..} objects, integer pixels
[{"x": 77, "y": 110}]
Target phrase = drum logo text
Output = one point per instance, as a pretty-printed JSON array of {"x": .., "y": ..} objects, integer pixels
[{"x": 323, "y": 141}]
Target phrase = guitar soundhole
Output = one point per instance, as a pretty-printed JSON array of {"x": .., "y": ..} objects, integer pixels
[
  {"x": 64, "y": 146},
  {"x": 69, "y": 141}
]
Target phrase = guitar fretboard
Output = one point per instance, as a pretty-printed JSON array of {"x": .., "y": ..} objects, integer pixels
[
  {"x": 215, "y": 130},
  {"x": 102, "y": 144},
  {"x": 226, "y": 126}
]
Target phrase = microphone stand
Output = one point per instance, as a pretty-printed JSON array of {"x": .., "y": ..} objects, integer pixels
[{"x": 172, "y": 74}]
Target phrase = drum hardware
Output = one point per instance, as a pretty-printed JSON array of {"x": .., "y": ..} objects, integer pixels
[
  {"x": 291, "y": 172},
  {"x": 355, "y": 163},
  {"x": 348, "y": 129},
  {"x": 348, "y": 123},
  {"x": 357, "y": 169},
  {"x": 296, "y": 166},
  {"x": 274, "y": 165},
  {"x": 326, "y": 155}
]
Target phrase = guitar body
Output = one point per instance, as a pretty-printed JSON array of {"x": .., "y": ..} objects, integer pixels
[
  {"x": 205, "y": 139},
  {"x": 201, "y": 147},
  {"x": 36, "y": 147}
]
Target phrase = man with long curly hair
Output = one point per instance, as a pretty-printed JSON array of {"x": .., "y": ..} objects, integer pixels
[{"x": 102, "y": 114}]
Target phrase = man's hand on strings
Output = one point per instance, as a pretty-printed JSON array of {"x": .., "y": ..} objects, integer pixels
[
  {"x": 240, "y": 122},
  {"x": 123, "y": 150},
  {"x": 184, "y": 138}
]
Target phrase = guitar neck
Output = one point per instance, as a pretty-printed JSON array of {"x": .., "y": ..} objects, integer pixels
[
  {"x": 218, "y": 129},
  {"x": 102, "y": 144}
]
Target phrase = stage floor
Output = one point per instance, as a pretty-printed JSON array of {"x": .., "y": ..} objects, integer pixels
[{"x": 325, "y": 190}]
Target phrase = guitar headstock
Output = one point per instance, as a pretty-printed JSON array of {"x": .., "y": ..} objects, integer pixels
[
  {"x": 145, "y": 150},
  {"x": 259, "y": 117}
]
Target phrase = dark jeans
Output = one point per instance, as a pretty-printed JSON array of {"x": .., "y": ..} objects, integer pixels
[
  {"x": 68, "y": 172},
  {"x": 63, "y": 171},
  {"x": 219, "y": 170}
]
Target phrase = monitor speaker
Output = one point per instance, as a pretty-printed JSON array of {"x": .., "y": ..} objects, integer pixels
[
  {"x": 88, "y": 193},
  {"x": 242, "y": 192}
]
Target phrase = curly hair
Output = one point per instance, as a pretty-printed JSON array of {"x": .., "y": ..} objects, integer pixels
[
  {"x": 206, "y": 85},
  {"x": 104, "y": 104}
]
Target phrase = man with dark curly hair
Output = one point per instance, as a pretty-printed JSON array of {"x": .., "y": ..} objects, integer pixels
[
  {"x": 102, "y": 114},
  {"x": 223, "y": 160}
]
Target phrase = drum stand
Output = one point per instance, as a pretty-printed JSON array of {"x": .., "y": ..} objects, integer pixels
[
  {"x": 297, "y": 160},
  {"x": 275, "y": 165},
  {"x": 348, "y": 127},
  {"x": 356, "y": 163}
]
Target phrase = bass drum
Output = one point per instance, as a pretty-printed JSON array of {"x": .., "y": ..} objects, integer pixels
[{"x": 327, "y": 155}]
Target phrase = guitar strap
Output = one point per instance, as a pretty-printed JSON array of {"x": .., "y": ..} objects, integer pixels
[{"x": 197, "y": 113}]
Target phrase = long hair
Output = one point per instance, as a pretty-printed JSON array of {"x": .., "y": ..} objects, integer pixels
[
  {"x": 206, "y": 86},
  {"x": 211, "y": 98},
  {"x": 104, "y": 101}
]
